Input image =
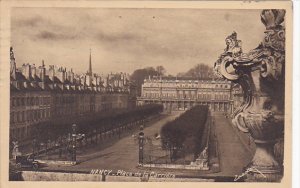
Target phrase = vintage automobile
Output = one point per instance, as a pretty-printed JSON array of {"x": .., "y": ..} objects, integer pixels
[{"x": 27, "y": 162}]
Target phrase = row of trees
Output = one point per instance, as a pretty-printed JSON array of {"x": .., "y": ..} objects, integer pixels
[
  {"x": 96, "y": 122},
  {"x": 120, "y": 118},
  {"x": 200, "y": 71},
  {"x": 185, "y": 132}
]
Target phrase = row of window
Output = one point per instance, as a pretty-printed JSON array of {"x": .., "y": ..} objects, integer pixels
[
  {"x": 187, "y": 85},
  {"x": 29, "y": 115},
  {"x": 73, "y": 99},
  {"x": 89, "y": 105},
  {"x": 35, "y": 101},
  {"x": 63, "y": 110},
  {"x": 179, "y": 105},
  {"x": 20, "y": 133},
  {"x": 221, "y": 97},
  {"x": 187, "y": 96},
  {"x": 30, "y": 101},
  {"x": 35, "y": 115}
]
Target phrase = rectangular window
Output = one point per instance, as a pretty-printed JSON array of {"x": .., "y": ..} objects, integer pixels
[
  {"x": 11, "y": 117},
  {"x": 23, "y": 116},
  {"x": 18, "y": 116}
]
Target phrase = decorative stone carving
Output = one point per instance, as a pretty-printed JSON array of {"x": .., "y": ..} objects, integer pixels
[
  {"x": 261, "y": 76},
  {"x": 15, "y": 150},
  {"x": 202, "y": 160}
]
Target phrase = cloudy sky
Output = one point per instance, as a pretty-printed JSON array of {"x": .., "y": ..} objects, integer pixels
[{"x": 123, "y": 40}]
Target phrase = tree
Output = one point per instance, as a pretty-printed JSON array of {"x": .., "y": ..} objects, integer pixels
[
  {"x": 200, "y": 71},
  {"x": 139, "y": 75},
  {"x": 161, "y": 70}
]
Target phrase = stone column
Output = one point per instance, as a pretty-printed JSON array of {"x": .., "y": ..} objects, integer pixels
[{"x": 261, "y": 76}]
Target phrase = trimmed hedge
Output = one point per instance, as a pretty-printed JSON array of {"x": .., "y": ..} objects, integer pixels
[{"x": 185, "y": 132}]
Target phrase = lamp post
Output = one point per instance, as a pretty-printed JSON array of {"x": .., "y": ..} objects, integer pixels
[
  {"x": 96, "y": 133},
  {"x": 42, "y": 146},
  {"x": 141, "y": 147},
  {"x": 58, "y": 145},
  {"x": 74, "y": 127},
  {"x": 34, "y": 146}
]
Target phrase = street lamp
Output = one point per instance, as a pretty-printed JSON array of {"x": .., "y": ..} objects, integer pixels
[
  {"x": 141, "y": 148},
  {"x": 74, "y": 127},
  {"x": 34, "y": 142},
  {"x": 58, "y": 145}
]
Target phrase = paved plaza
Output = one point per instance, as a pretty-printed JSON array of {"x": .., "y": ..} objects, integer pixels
[{"x": 234, "y": 150}]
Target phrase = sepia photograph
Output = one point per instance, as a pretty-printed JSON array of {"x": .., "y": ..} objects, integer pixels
[{"x": 147, "y": 94}]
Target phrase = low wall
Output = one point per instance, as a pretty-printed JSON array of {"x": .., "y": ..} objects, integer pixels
[
  {"x": 176, "y": 166},
  {"x": 57, "y": 176},
  {"x": 53, "y": 162},
  {"x": 60, "y": 176}
]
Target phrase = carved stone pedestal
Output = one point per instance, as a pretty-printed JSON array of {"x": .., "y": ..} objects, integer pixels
[
  {"x": 202, "y": 160},
  {"x": 265, "y": 128},
  {"x": 263, "y": 167}
]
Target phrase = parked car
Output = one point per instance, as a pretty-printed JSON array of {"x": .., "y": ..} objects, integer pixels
[{"x": 27, "y": 162}]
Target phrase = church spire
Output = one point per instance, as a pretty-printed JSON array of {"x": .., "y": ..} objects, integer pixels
[{"x": 90, "y": 64}]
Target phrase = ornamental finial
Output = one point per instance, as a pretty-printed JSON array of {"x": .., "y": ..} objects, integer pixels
[{"x": 272, "y": 18}]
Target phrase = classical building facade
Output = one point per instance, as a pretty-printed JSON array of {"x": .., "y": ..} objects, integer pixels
[
  {"x": 55, "y": 95},
  {"x": 182, "y": 93}
]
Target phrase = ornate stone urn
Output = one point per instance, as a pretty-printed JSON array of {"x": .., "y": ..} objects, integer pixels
[{"x": 261, "y": 76}]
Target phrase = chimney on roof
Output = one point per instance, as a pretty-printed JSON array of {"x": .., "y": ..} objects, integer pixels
[
  {"x": 61, "y": 74},
  {"x": 51, "y": 72},
  {"x": 26, "y": 71},
  {"x": 71, "y": 76},
  {"x": 33, "y": 71},
  {"x": 42, "y": 71},
  {"x": 105, "y": 81}
]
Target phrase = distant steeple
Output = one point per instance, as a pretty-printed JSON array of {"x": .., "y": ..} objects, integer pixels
[
  {"x": 90, "y": 64},
  {"x": 89, "y": 74}
]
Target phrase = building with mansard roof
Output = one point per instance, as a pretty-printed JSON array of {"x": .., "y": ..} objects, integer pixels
[{"x": 55, "y": 95}]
